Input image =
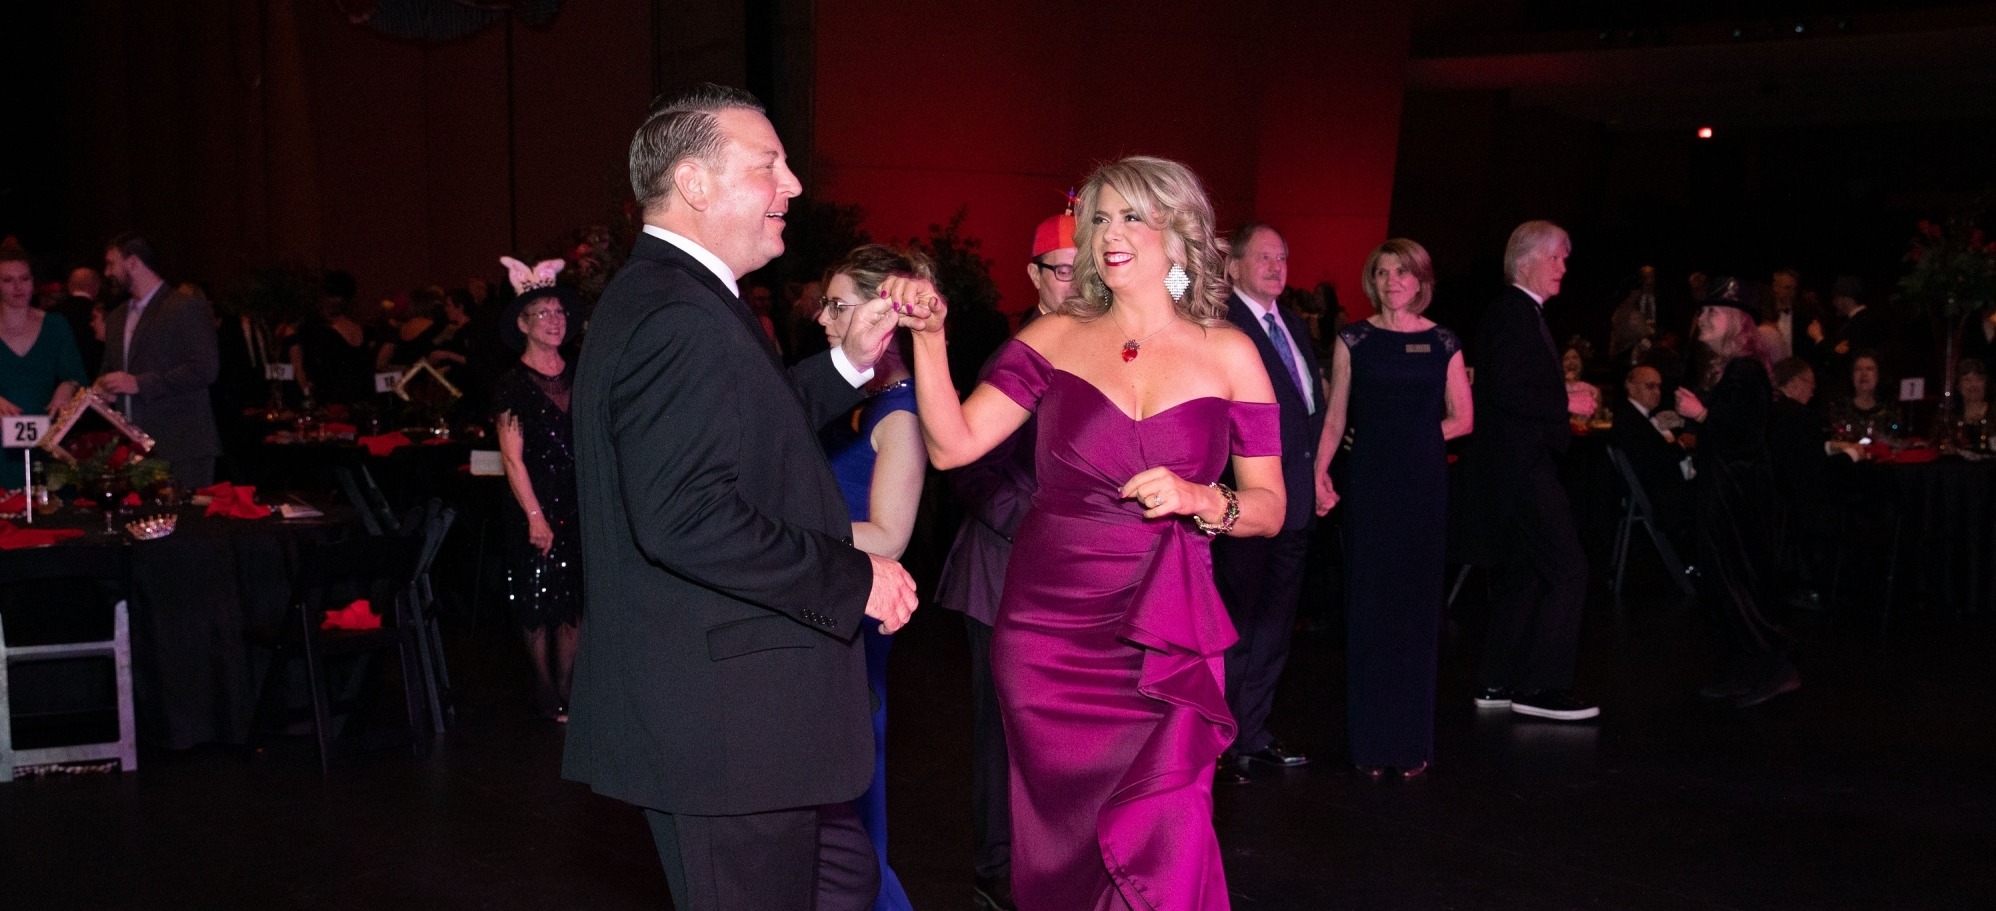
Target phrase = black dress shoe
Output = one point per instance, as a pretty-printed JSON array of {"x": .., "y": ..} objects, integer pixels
[
  {"x": 993, "y": 893},
  {"x": 1276, "y": 754},
  {"x": 1414, "y": 773},
  {"x": 1371, "y": 772},
  {"x": 1229, "y": 772},
  {"x": 1493, "y": 697}
]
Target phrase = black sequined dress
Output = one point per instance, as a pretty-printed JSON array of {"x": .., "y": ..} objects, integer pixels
[{"x": 543, "y": 590}]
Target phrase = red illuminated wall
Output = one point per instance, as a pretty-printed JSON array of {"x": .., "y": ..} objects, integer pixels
[{"x": 1289, "y": 110}]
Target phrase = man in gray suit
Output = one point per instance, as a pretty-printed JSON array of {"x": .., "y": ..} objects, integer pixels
[{"x": 160, "y": 359}]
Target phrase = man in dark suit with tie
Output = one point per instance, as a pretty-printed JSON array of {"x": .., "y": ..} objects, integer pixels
[
  {"x": 160, "y": 359},
  {"x": 721, "y": 683},
  {"x": 1541, "y": 574},
  {"x": 1261, "y": 579}
]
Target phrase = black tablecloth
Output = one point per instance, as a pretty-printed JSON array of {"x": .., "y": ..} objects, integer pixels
[
  {"x": 193, "y": 595},
  {"x": 1948, "y": 543}
]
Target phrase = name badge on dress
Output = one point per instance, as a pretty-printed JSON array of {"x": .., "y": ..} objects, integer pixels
[{"x": 1419, "y": 348}]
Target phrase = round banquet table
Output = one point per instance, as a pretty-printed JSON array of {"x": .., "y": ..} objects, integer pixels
[
  {"x": 192, "y": 596},
  {"x": 1947, "y": 507}
]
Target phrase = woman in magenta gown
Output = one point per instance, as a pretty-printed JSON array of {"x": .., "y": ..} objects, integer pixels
[{"x": 1107, "y": 651}]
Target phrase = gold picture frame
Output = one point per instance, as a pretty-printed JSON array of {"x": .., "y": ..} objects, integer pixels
[{"x": 72, "y": 411}]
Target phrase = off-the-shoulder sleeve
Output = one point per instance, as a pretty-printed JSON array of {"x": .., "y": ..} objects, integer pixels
[
  {"x": 1257, "y": 428},
  {"x": 1020, "y": 373},
  {"x": 1450, "y": 344}
]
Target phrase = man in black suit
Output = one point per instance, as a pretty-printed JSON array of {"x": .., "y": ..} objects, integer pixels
[
  {"x": 1861, "y": 331},
  {"x": 1791, "y": 323},
  {"x": 82, "y": 310},
  {"x": 160, "y": 359},
  {"x": 1261, "y": 579},
  {"x": 721, "y": 683},
  {"x": 1541, "y": 573},
  {"x": 1647, "y": 436}
]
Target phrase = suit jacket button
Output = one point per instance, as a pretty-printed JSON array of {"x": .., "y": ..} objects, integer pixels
[{"x": 846, "y": 540}]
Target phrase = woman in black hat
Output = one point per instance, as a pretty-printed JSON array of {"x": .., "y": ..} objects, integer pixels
[
  {"x": 530, "y": 405},
  {"x": 1731, "y": 497}
]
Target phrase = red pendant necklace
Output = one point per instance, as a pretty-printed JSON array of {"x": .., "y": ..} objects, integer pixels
[{"x": 1134, "y": 346}]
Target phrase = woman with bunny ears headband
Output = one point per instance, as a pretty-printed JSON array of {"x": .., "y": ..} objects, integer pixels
[{"x": 530, "y": 407}]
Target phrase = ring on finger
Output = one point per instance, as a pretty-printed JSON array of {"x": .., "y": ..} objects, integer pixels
[{"x": 1155, "y": 500}]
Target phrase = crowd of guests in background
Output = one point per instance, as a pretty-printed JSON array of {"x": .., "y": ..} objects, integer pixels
[{"x": 1740, "y": 410}]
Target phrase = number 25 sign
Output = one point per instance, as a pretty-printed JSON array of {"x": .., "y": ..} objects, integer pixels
[{"x": 24, "y": 431}]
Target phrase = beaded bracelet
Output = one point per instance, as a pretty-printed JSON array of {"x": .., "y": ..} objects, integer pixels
[{"x": 1227, "y": 519}]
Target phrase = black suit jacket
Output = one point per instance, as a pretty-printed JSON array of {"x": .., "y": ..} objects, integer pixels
[
  {"x": 720, "y": 669},
  {"x": 1520, "y": 399},
  {"x": 1657, "y": 461},
  {"x": 1301, "y": 427},
  {"x": 173, "y": 358}
]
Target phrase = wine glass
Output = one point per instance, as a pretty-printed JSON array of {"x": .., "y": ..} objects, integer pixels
[{"x": 106, "y": 494}]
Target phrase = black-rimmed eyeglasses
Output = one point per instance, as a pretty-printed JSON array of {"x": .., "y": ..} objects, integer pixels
[{"x": 1064, "y": 271}]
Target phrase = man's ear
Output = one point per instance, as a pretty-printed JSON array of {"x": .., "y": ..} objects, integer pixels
[{"x": 693, "y": 183}]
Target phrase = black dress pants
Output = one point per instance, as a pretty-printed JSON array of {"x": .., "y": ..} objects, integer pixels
[
  {"x": 808, "y": 859},
  {"x": 1538, "y": 588},
  {"x": 1261, "y": 581},
  {"x": 990, "y": 766}
]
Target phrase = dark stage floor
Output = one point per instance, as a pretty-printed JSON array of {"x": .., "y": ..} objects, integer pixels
[{"x": 1871, "y": 788}]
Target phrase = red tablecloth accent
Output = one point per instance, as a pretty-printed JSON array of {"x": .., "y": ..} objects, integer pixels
[
  {"x": 383, "y": 444},
  {"x": 233, "y": 502},
  {"x": 14, "y": 537}
]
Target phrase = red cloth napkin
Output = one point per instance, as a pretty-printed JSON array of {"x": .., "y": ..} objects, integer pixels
[
  {"x": 234, "y": 502},
  {"x": 14, "y": 537},
  {"x": 336, "y": 429},
  {"x": 16, "y": 503},
  {"x": 358, "y": 615},
  {"x": 1915, "y": 455},
  {"x": 132, "y": 499},
  {"x": 384, "y": 444}
]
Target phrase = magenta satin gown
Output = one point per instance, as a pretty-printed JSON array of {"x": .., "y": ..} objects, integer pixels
[{"x": 1108, "y": 651}]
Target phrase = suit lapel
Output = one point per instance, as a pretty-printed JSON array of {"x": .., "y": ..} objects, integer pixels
[
  {"x": 653, "y": 248},
  {"x": 1286, "y": 392}
]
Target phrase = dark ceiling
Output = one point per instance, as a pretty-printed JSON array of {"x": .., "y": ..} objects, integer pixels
[{"x": 1640, "y": 66}]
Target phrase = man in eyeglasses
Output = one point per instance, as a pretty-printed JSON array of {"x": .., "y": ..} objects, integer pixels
[{"x": 995, "y": 491}]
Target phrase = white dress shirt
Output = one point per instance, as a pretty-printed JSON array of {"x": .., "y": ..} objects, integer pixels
[
  {"x": 132, "y": 313},
  {"x": 852, "y": 374}
]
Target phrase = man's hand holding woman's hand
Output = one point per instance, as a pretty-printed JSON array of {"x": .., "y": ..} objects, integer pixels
[
  {"x": 892, "y": 600},
  {"x": 916, "y": 302}
]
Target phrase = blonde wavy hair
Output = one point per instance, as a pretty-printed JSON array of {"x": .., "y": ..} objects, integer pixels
[{"x": 1173, "y": 201}]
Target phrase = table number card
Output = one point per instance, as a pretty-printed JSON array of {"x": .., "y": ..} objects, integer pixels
[
  {"x": 280, "y": 373},
  {"x": 24, "y": 431},
  {"x": 385, "y": 381},
  {"x": 1913, "y": 389}
]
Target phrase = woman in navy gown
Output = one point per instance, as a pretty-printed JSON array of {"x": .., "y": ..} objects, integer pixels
[
  {"x": 877, "y": 457},
  {"x": 1398, "y": 384},
  {"x": 1108, "y": 646}
]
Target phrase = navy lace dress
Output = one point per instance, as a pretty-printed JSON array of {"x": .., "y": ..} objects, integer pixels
[
  {"x": 1394, "y": 496},
  {"x": 544, "y": 591}
]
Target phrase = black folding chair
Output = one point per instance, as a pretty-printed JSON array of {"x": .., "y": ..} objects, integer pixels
[
  {"x": 1636, "y": 509},
  {"x": 382, "y": 570}
]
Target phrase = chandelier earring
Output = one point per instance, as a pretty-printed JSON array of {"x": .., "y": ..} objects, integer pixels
[{"x": 1177, "y": 281}]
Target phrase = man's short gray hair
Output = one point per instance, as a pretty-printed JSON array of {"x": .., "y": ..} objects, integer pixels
[
  {"x": 1530, "y": 239},
  {"x": 680, "y": 128}
]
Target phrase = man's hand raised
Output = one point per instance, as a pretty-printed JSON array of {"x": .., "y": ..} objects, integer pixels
[{"x": 892, "y": 600}]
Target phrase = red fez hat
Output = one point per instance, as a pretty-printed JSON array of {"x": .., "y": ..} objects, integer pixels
[{"x": 1055, "y": 233}]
